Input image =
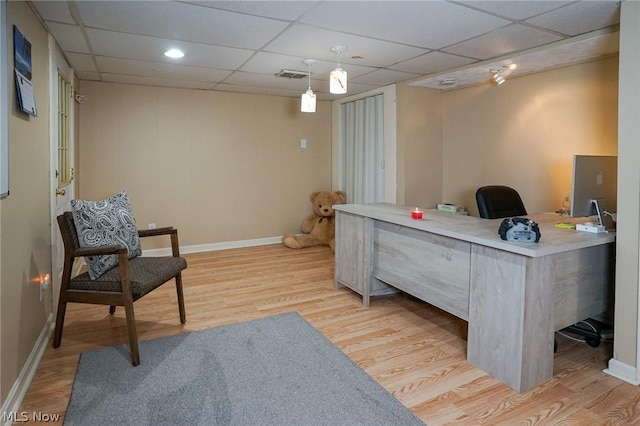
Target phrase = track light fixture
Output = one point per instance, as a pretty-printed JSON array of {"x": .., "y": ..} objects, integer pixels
[
  {"x": 498, "y": 78},
  {"x": 308, "y": 101},
  {"x": 338, "y": 77}
]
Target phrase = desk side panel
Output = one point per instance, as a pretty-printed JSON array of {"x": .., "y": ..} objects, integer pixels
[
  {"x": 431, "y": 267},
  {"x": 584, "y": 284},
  {"x": 510, "y": 333},
  {"x": 349, "y": 254}
]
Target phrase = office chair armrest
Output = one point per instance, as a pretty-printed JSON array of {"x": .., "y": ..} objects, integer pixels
[
  {"x": 167, "y": 230},
  {"x": 97, "y": 251}
]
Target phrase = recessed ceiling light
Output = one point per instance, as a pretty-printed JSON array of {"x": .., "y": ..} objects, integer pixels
[{"x": 174, "y": 53}]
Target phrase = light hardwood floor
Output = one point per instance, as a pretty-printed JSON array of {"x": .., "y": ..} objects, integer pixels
[{"x": 416, "y": 351}]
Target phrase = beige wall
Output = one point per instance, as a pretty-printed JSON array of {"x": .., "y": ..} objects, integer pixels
[
  {"x": 419, "y": 113},
  {"x": 218, "y": 166},
  {"x": 524, "y": 133},
  {"x": 25, "y": 213}
]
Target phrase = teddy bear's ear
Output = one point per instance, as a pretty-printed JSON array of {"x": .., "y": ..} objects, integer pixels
[
  {"x": 313, "y": 196},
  {"x": 342, "y": 196}
]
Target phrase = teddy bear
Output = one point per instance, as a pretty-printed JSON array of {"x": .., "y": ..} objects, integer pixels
[{"x": 318, "y": 228}]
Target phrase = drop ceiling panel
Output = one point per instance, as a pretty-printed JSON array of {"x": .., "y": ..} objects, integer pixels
[
  {"x": 418, "y": 23},
  {"x": 257, "y": 90},
  {"x": 262, "y": 80},
  {"x": 156, "y": 82},
  {"x": 69, "y": 37},
  {"x": 145, "y": 48},
  {"x": 287, "y": 10},
  {"x": 432, "y": 62},
  {"x": 383, "y": 77},
  {"x": 271, "y": 63},
  {"x": 309, "y": 42},
  {"x": 518, "y": 10},
  {"x": 580, "y": 17},
  {"x": 181, "y": 21},
  {"x": 158, "y": 70},
  {"x": 502, "y": 41},
  {"x": 82, "y": 62},
  {"x": 56, "y": 11}
]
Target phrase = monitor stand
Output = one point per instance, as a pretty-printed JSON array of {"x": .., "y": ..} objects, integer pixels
[{"x": 604, "y": 217}]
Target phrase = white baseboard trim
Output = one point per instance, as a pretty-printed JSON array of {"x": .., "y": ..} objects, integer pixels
[
  {"x": 622, "y": 371},
  {"x": 19, "y": 389},
  {"x": 201, "y": 248}
]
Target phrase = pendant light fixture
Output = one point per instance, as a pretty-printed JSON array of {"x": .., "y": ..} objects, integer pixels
[
  {"x": 338, "y": 77},
  {"x": 308, "y": 101}
]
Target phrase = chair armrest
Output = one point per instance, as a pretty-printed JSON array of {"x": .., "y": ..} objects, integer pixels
[
  {"x": 167, "y": 230},
  {"x": 97, "y": 251}
]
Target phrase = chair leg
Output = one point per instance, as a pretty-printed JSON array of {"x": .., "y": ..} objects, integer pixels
[
  {"x": 183, "y": 315},
  {"x": 112, "y": 309},
  {"x": 131, "y": 328},
  {"x": 57, "y": 334}
]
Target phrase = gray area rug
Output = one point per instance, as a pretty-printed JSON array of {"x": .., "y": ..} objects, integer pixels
[{"x": 273, "y": 371}]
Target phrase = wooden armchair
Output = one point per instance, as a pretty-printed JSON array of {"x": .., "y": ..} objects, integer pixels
[{"x": 121, "y": 285}]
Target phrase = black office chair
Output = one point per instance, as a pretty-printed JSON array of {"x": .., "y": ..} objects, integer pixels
[{"x": 497, "y": 201}]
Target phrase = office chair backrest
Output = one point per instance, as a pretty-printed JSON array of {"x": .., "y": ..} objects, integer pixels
[{"x": 497, "y": 201}]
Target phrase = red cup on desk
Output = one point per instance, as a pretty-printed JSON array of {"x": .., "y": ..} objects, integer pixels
[{"x": 416, "y": 213}]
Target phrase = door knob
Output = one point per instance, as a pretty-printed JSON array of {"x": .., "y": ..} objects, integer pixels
[{"x": 60, "y": 191}]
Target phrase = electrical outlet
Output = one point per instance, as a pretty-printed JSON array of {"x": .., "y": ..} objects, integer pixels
[
  {"x": 151, "y": 226},
  {"x": 303, "y": 143}
]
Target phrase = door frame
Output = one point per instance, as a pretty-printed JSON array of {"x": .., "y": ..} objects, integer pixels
[{"x": 58, "y": 203}]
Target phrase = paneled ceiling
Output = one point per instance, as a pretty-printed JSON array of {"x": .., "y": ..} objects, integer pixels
[{"x": 240, "y": 46}]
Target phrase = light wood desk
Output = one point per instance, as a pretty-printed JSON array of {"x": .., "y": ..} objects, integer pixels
[{"x": 513, "y": 295}]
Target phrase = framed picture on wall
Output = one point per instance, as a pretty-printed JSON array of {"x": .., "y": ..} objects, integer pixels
[
  {"x": 23, "y": 71},
  {"x": 4, "y": 104}
]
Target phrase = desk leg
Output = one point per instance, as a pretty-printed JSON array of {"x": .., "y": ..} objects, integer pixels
[
  {"x": 511, "y": 317},
  {"x": 367, "y": 264}
]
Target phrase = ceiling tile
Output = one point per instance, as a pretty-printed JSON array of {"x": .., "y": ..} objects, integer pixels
[
  {"x": 518, "y": 10},
  {"x": 432, "y": 62},
  {"x": 271, "y": 63},
  {"x": 502, "y": 41},
  {"x": 418, "y": 23},
  {"x": 181, "y": 21},
  {"x": 56, "y": 11},
  {"x": 81, "y": 62},
  {"x": 287, "y": 10},
  {"x": 145, "y": 48},
  {"x": 69, "y": 37},
  {"x": 383, "y": 77},
  {"x": 580, "y": 17},
  {"x": 156, "y": 82},
  {"x": 309, "y": 42},
  {"x": 158, "y": 70}
]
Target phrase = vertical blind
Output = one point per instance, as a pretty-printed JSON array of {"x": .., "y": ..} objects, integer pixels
[{"x": 362, "y": 149}]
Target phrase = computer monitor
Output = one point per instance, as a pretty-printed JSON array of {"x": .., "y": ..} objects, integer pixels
[{"x": 594, "y": 186}]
